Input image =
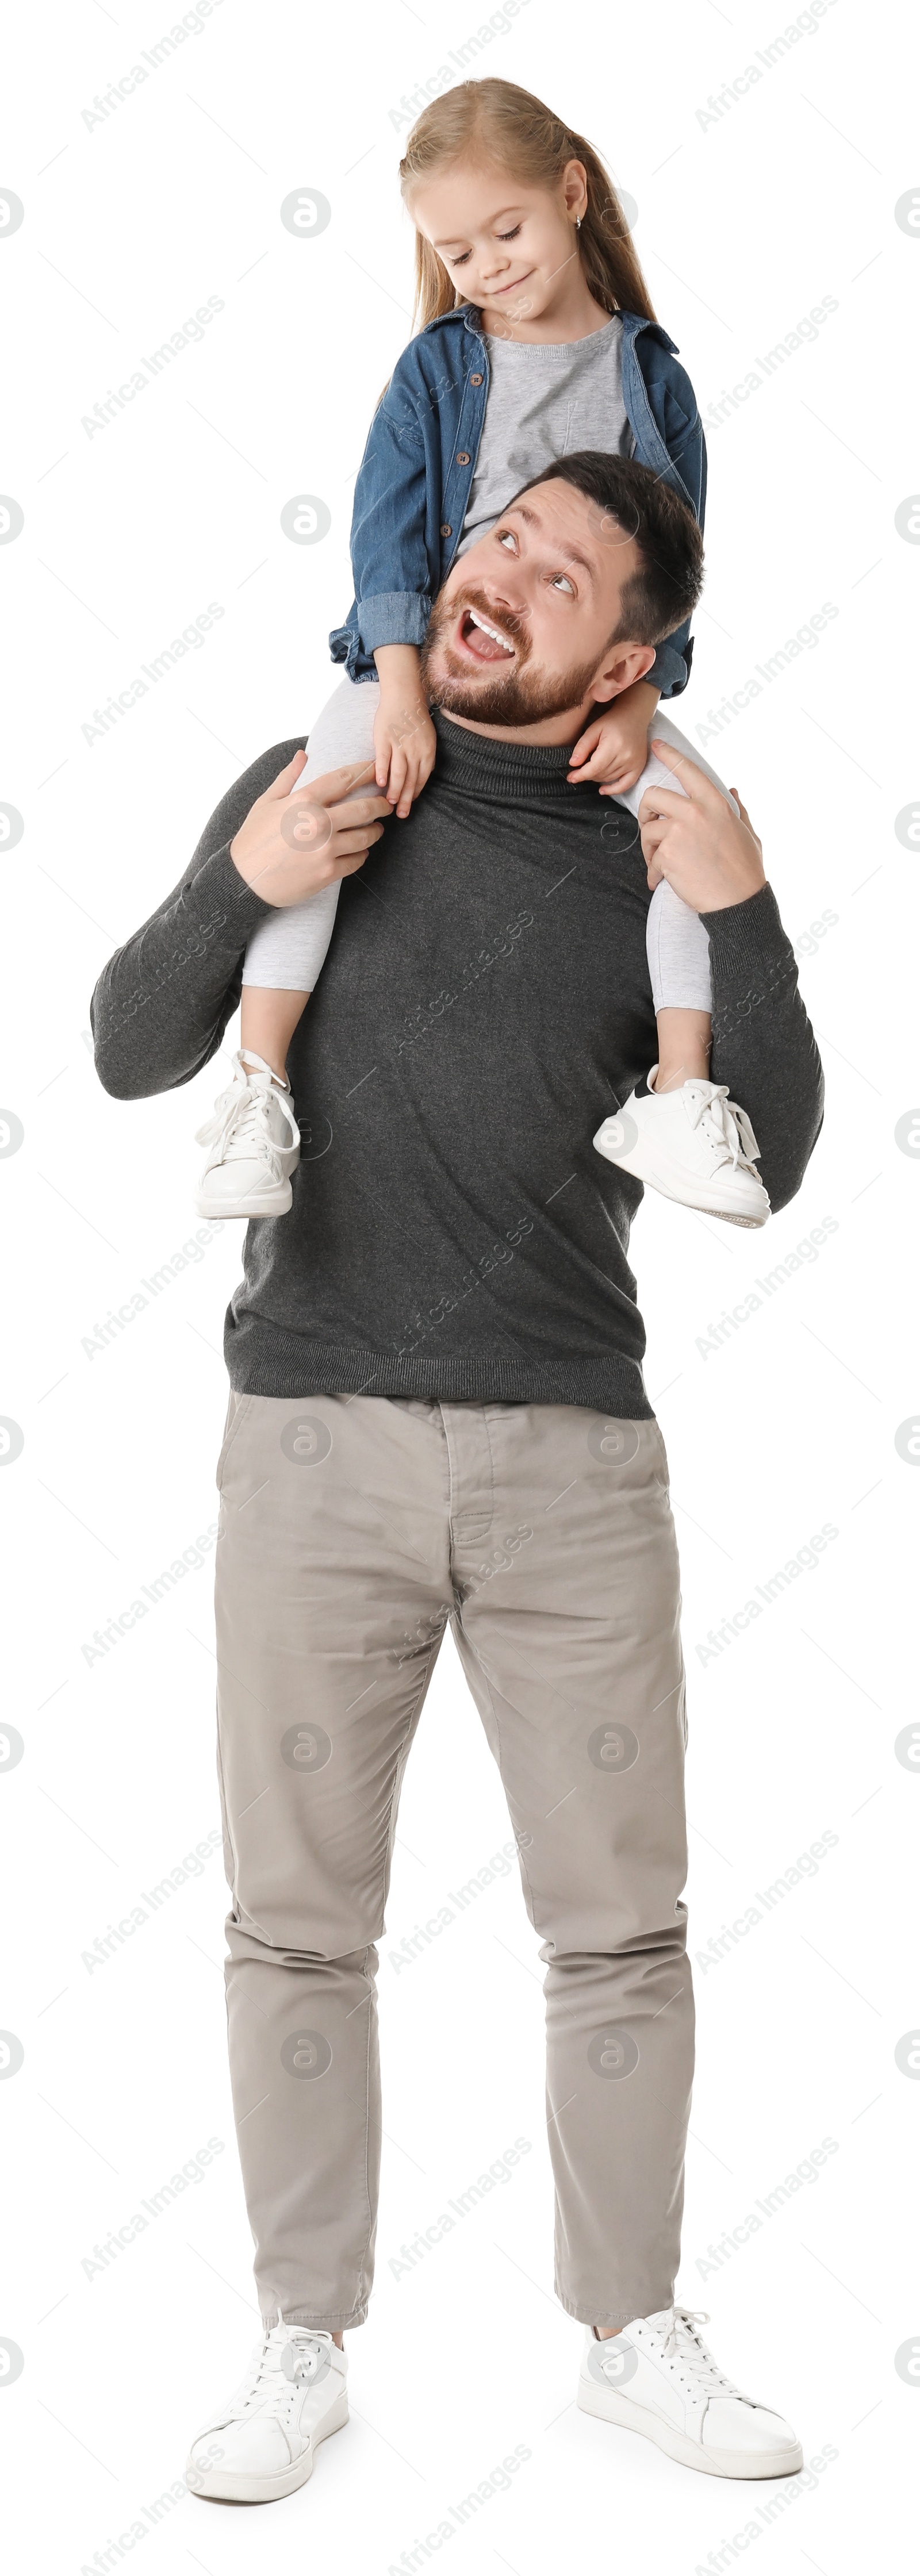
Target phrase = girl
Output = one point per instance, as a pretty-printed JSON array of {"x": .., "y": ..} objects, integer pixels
[{"x": 536, "y": 337}]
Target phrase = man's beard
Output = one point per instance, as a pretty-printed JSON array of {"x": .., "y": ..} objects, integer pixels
[{"x": 518, "y": 693}]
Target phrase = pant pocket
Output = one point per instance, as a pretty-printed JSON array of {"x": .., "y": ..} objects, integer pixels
[
  {"x": 663, "y": 1469},
  {"x": 237, "y": 1408}
]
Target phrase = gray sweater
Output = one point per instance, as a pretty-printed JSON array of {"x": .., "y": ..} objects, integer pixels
[{"x": 485, "y": 1003}]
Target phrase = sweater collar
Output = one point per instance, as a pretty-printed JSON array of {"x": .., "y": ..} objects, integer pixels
[{"x": 475, "y": 762}]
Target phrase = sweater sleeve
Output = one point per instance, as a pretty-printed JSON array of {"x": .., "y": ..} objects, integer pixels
[
  {"x": 161, "y": 1005},
  {"x": 763, "y": 1044}
]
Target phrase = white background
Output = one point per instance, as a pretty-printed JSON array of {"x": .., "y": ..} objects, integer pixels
[{"x": 744, "y": 223}]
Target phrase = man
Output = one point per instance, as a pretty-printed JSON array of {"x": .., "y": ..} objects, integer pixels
[{"x": 437, "y": 1413}]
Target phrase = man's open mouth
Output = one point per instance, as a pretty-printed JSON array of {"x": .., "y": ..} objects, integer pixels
[{"x": 480, "y": 641}]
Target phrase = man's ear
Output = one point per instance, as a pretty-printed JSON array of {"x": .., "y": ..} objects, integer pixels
[{"x": 621, "y": 666}]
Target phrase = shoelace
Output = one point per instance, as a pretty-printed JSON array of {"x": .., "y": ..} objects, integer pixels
[
  {"x": 732, "y": 1127},
  {"x": 684, "y": 2346},
  {"x": 240, "y": 1126},
  {"x": 269, "y": 2385}
]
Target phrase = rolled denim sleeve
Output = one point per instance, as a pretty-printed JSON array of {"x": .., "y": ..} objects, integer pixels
[
  {"x": 395, "y": 617},
  {"x": 670, "y": 670},
  {"x": 388, "y": 550}
]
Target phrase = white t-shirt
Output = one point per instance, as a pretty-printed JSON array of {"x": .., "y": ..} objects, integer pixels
[{"x": 545, "y": 401}]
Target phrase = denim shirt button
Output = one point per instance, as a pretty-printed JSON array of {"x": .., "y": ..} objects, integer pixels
[
  {"x": 475, "y": 380},
  {"x": 446, "y": 529},
  {"x": 463, "y": 458}
]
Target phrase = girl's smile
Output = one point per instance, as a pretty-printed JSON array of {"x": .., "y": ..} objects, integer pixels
[{"x": 519, "y": 261}]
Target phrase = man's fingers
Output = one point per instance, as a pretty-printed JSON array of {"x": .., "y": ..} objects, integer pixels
[
  {"x": 287, "y": 778},
  {"x": 349, "y": 867},
  {"x": 357, "y": 821},
  {"x": 666, "y": 801},
  {"x": 360, "y": 842},
  {"x": 651, "y": 836},
  {"x": 335, "y": 783},
  {"x": 745, "y": 818},
  {"x": 693, "y": 780},
  {"x": 358, "y": 810}
]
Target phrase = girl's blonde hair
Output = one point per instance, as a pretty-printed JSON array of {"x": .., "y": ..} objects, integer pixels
[{"x": 493, "y": 121}]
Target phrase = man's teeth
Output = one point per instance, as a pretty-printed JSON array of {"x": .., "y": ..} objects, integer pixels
[{"x": 490, "y": 630}]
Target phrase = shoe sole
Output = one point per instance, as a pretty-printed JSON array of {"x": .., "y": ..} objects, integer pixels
[
  {"x": 714, "y": 2464},
  {"x": 667, "y": 1177},
  {"x": 226, "y": 2488},
  {"x": 258, "y": 1206}
]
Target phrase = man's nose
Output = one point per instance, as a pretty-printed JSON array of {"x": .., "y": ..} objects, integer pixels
[
  {"x": 509, "y": 602},
  {"x": 514, "y": 593}
]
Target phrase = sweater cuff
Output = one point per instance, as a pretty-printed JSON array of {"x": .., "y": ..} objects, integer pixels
[{"x": 746, "y": 934}]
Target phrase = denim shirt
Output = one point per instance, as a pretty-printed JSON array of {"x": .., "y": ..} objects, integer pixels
[{"x": 414, "y": 480}]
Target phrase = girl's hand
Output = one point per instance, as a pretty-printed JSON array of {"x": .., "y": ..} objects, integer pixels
[
  {"x": 613, "y": 748},
  {"x": 405, "y": 744}
]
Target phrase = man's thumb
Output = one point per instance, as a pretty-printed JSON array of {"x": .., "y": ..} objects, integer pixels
[{"x": 286, "y": 779}]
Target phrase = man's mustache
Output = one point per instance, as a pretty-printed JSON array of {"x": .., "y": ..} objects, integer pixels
[{"x": 510, "y": 622}]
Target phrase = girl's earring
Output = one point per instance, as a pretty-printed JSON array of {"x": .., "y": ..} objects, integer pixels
[{"x": 578, "y": 223}]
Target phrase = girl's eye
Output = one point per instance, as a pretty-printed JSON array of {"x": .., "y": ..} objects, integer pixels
[
  {"x": 460, "y": 261},
  {"x": 512, "y": 236}
]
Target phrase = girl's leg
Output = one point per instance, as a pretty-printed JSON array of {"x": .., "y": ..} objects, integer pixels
[
  {"x": 268, "y": 1019},
  {"x": 684, "y": 1147},
  {"x": 677, "y": 944},
  {"x": 286, "y": 954},
  {"x": 678, "y": 958}
]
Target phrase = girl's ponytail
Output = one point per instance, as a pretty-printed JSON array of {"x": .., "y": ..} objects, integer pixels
[{"x": 493, "y": 120}]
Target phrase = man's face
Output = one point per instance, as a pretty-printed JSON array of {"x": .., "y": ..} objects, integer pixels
[{"x": 520, "y": 632}]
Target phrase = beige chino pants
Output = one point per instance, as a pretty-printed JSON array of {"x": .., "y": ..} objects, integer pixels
[{"x": 352, "y": 1529}]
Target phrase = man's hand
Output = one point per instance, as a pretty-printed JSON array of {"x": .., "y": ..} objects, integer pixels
[
  {"x": 709, "y": 855},
  {"x": 291, "y": 846}
]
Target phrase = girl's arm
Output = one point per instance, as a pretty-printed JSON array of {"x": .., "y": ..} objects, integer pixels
[
  {"x": 392, "y": 576},
  {"x": 674, "y": 406},
  {"x": 405, "y": 742},
  {"x": 388, "y": 530}
]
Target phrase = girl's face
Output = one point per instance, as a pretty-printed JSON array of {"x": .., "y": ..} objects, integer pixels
[{"x": 507, "y": 247}]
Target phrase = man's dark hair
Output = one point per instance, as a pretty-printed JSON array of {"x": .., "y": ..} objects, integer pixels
[{"x": 666, "y": 588}]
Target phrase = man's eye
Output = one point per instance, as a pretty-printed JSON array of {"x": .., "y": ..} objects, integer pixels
[
  {"x": 561, "y": 582},
  {"x": 508, "y": 538}
]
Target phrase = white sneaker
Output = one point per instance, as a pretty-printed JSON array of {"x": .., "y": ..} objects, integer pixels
[
  {"x": 658, "y": 2378},
  {"x": 694, "y": 1145},
  {"x": 263, "y": 2443},
  {"x": 255, "y": 1145}
]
